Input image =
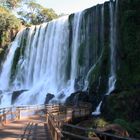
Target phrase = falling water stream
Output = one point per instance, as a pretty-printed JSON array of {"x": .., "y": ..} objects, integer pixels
[
  {"x": 53, "y": 56},
  {"x": 112, "y": 75}
]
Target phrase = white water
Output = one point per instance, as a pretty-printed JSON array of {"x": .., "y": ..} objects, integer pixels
[
  {"x": 98, "y": 110},
  {"x": 5, "y": 99},
  {"x": 112, "y": 77},
  {"x": 47, "y": 62},
  {"x": 41, "y": 69},
  {"x": 6, "y": 71},
  {"x": 44, "y": 59},
  {"x": 75, "y": 47}
]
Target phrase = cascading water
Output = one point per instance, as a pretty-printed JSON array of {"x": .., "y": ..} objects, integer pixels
[
  {"x": 47, "y": 61},
  {"x": 97, "y": 110},
  {"x": 58, "y": 57},
  {"x": 6, "y": 71},
  {"x": 112, "y": 78},
  {"x": 41, "y": 68},
  {"x": 75, "y": 48}
]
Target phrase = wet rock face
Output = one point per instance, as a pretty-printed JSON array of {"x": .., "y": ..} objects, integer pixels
[
  {"x": 77, "y": 97},
  {"x": 124, "y": 105},
  {"x": 49, "y": 96},
  {"x": 61, "y": 95},
  {"x": 128, "y": 44},
  {"x": 16, "y": 94}
]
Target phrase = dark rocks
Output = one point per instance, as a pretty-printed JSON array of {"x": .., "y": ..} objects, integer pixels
[
  {"x": 77, "y": 97},
  {"x": 124, "y": 105},
  {"x": 16, "y": 94},
  {"x": 61, "y": 95},
  {"x": 49, "y": 96}
]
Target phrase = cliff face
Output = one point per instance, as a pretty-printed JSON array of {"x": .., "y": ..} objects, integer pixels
[
  {"x": 127, "y": 51},
  {"x": 124, "y": 103},
  {"x": 128, "y": 44},
  {"x": 98, "y": 46},
  {"x": 85, "y": 56},
  {"x": 9, "y": 26},
  {"x": 95, "y": 51}
]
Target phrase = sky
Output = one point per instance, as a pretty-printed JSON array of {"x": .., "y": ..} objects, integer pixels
[{"x": 69, "y": 6}]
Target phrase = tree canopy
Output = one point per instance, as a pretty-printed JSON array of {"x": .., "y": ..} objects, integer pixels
[
  {"x": 10, "y": 4},
  {"x": 8, "y": 22},
  {"x": 36, "y": 14},
  {"x": 27, "y": 11}
]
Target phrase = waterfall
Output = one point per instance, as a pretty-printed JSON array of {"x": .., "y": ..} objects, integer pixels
[
  {"x": 41, "y": 67},
  {"x": 98, "y": 108},
  {"x": 75, "y": 49},
  {"x": 46, "y": 72},
  {"x": 6, "y": 71},
  {"x": 59, "y": 57},
  {"x": 112, "y": 76}
]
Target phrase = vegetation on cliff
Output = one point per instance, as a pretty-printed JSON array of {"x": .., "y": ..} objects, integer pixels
[
  {"x": 122, "y": 106},
  {"x": 33, "y": 14},
  {"x": 8, "y": 24}
]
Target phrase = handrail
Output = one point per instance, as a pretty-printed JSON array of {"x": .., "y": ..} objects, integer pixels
[
  {"x": 13, "y": 113},
  {"x": 58, "y": 117},
  {"x": 103, "y": 135}
]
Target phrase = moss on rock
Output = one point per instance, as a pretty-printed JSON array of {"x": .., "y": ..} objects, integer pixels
[{"x": 123, "y": 105}]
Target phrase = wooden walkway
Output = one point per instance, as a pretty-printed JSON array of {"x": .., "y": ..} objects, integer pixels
[
  {"x": 34, "y": 128},
  {"x": 39, "y": 122},
  {"x": 48, "y": 122}
]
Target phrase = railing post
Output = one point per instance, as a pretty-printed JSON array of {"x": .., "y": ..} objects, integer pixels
[
  {"x": 55, "y": 135},
  {"x": 4, "y": 116},
  {"x": 47, "y": 115},
  {"x": 11, "y": 111},
  {"x": 18, "y": 114}
]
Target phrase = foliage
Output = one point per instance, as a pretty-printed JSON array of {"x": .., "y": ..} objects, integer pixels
[
  {"x": 124, "y": 105},
  {"x": 33, "y": 13},
  {"x": 10, "y": 4},
  {"x": 94, "y": 123},
  {"x": 129, "y": 40},
  {"x": 100, "y": 122},
  {"x": 132, "y": 128},
  {"x": 1, "y": 54},
  {"x": 8, "y": 22},
  {"x": 37, "y": 14},
  {"x": 91, "y": 133}
]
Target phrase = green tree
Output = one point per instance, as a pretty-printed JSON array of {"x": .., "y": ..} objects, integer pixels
[
  {"x": 8, "y": 23},
  {"x": 37, "y": 14},
  {"x": 10, "y": 4}
]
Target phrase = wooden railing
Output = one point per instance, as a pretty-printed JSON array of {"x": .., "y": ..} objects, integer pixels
[
  {"x": 58, "y": 115},
  {"x": 12, "y": 113},
  {"x": 58, "y": 118},
  {"x": 72, "y": 132}
]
